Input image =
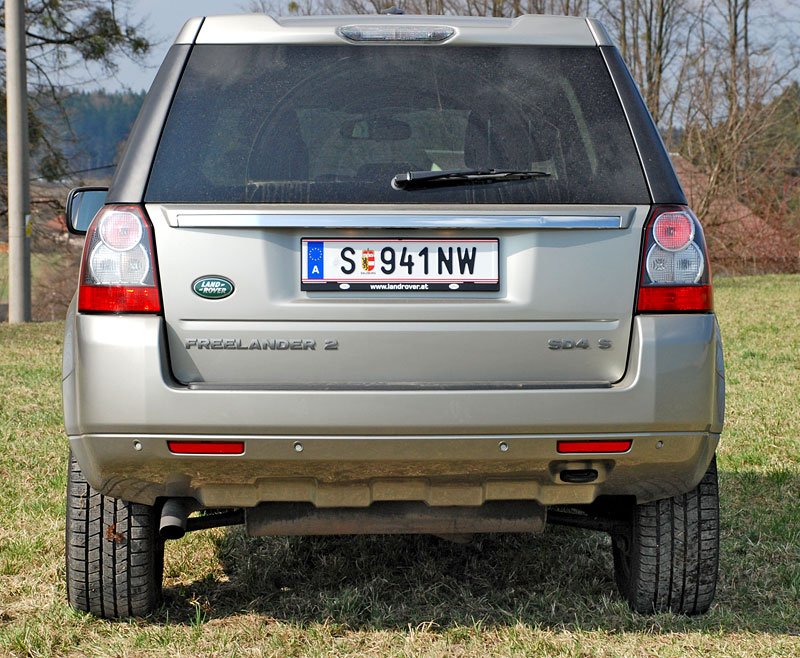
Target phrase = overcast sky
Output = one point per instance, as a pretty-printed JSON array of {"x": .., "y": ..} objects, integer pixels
[{"x": 163, "y": 20}]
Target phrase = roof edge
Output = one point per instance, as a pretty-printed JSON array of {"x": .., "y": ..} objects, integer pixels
[{"x": 528, "y": 29}]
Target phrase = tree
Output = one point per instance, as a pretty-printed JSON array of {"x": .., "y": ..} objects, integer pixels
[
  {"x": 652, "y": 36},
  {"x": 460, "y": 7},
  {"x": 100, "y": 122},
  {"x": 729, "y": 114},
  {"x": 62, "y": 36}
]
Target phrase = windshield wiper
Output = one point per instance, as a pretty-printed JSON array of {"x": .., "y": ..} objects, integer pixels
[{"x": 417, "y": 179}]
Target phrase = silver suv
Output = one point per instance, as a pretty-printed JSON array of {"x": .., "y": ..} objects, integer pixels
[{"x": 392, "y": 274}]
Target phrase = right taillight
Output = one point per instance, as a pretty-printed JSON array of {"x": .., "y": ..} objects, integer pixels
[
  {"x": 118, "y": 272},
  {"x": 675, "y": 276}
]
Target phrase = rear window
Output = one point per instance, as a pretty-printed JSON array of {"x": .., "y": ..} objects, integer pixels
[{"x": 334, "y": 124}]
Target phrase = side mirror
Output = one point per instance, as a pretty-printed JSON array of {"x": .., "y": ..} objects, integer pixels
[{"x": 82, "y": 205}]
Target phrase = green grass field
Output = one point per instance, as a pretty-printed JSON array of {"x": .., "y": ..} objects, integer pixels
[{"x": 547, "y": 595}]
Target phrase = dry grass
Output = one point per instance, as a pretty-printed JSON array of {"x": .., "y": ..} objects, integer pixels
[
  {"x": 54, "y": 276},
  {"x": 549, "y": 595}
]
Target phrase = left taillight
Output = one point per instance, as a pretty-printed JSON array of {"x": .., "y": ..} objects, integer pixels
[
  {"x": 675, "y": 275},
  {"x": 119, "y": 271}
]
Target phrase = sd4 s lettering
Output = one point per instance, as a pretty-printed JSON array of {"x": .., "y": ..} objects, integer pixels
[{"x": 578, "y": 344}]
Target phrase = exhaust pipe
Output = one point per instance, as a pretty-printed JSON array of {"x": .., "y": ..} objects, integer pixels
[{"x": 173, "y": 518}]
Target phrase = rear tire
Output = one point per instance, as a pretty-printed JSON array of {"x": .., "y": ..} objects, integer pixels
[
  {"x": 669, "y": 558},
  {"x": 115, "y": 559}
]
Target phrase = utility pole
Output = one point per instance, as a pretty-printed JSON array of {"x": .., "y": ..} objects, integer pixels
[{"x": 19, "y": 249}]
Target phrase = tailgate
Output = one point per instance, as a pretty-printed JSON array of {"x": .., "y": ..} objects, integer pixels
[{"x": 560, "y": 314}]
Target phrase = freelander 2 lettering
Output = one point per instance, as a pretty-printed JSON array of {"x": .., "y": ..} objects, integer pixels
[{"x": 267, "y": 344}]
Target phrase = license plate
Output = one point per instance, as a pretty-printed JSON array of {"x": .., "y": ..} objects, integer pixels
[{"x": 399, "y": 265}]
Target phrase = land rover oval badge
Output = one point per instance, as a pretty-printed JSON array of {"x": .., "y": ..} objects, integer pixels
[{"x": 213, "y": 287}]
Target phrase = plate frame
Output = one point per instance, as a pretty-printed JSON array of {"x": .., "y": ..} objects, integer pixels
[{"x": 400, "y": 285}]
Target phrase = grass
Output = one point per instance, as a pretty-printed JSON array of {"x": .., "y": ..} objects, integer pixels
[
  {"x": 547, "y": 595},
  {"x": 36, "y": 260},
  {"x": 41, "y": 263}
]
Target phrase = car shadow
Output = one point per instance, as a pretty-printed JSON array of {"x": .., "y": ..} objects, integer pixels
[{"x": 562, "y": 579}]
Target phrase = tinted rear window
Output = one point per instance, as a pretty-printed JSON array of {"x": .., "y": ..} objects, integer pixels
[{"x": 334, "y": 124}]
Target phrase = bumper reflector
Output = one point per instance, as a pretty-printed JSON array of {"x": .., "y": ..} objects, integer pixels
[
  {"x": 571, "y": 447},
  {"x": 206, "y": 447}
]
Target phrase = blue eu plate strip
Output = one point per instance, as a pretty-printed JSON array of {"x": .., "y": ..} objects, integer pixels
[{"x": 316, "y": 258}]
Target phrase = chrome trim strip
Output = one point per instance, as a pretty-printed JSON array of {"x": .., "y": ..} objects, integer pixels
[
  {"x": 400, "y": 386},
  {"x": 393, "y": 220}
]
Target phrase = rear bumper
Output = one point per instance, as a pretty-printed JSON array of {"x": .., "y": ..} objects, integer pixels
[
  {"x": 356, "y": 471},
  {"x": 360, "y": 446}
]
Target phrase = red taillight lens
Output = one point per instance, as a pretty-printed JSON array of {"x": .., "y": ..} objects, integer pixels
[
  {"x": 111, "y": 299},
  {"x": 118, "y": 273},
  {"x": 206, "y": 447},
  {"x": 673, "y": 231},
  {"x": 675, "y": 275},
  {"x": 121, "y": 230},
  {"x": 573, "y": 447},
  {"x": 676, "y": 298}
]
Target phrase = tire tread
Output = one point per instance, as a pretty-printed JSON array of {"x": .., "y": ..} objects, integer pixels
[
  {"x": 114, "y": 556},
  {"x": 672, "y": 561}
]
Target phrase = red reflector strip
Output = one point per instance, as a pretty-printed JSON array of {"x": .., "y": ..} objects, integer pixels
[
  {"x": 570, "y": 447},
  {"x": 119, "y": 299},
  {"x": 206, "y": 447},
  {"x": 656, "y": 299}
]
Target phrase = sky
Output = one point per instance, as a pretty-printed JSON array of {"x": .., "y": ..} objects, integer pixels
[{"x": 163, "y": 20}]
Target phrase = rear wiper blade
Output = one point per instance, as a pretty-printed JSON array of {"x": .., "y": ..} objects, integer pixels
[{"x": 417, "y": 179}]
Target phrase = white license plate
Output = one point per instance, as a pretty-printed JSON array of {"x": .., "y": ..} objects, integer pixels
[{"x": 399, "y": 265}]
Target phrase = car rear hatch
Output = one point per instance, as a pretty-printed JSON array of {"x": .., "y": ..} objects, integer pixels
[
  {"x": 289, "y": 256},
  {"x": 561, "y": 315}
]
